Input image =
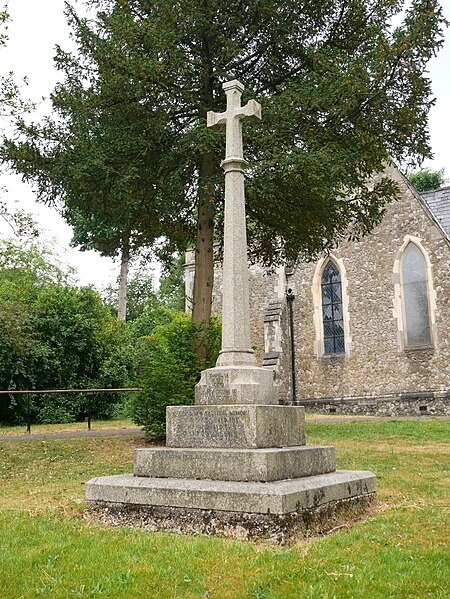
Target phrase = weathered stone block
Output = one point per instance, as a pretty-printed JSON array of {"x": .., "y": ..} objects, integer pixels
[
  {"x": 239, "y": 426},
  {"x": 275, "y": 528},
  {"x": 236, "y": 385},
  {"x": 281, "y": 497},
  {"x": 234, "y": 464}
]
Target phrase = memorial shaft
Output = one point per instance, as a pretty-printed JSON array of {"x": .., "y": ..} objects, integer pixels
[{"x": 236, "y": 342}]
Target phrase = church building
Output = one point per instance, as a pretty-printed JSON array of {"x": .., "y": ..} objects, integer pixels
[{"x": 370, "y": 321}]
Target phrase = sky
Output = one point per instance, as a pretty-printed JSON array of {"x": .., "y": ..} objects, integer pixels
[{"x": 37, "y": 26}]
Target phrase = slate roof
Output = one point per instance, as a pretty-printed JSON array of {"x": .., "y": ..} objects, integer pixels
[{"x": 438, "y": 202}]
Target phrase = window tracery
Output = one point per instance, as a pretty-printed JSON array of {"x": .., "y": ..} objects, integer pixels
[
  {"x": 415, "y": 297},
  {"x": 332, "y": 310}
]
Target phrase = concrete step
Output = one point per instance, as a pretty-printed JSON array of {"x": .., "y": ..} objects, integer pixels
[
  {"x": 281, "y": 497},
  {"x": 234, "y": 464}
]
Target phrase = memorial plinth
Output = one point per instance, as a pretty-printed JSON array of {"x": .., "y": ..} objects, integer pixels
[
  {"x": 236, "y": 385},
  {"x": 239, "y": 426},
  {"x": 235, "y": 463}
]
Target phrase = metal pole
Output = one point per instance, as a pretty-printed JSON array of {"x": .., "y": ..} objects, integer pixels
[
  {"x": 89, "y": 395},
  {"x": 290, "y": 300},
  {"x": 28, "y": 415}
]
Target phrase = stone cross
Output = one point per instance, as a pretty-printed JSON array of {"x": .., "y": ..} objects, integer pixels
[{"x": 236, "y": 344}]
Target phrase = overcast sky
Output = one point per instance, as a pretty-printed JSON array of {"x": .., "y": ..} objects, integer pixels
[{"x": 38, "y": 25}]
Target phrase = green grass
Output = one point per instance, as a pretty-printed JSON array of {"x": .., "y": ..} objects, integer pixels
[{"x": 400, "y": 550}]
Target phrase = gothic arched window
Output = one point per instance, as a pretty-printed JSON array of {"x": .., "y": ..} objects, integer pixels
[
  {"x": 415, "y": 297},
  {"x": 332, "y": 311}
]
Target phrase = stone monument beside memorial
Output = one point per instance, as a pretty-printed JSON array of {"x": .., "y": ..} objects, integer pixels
[{"x": 236, "y": 462}]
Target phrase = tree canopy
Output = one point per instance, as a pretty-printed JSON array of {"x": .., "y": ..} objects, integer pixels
[
  {"x": 427, "y": 179},
  {"x": 11, "y": 102},
  {"x": 54, "y": 335},
  {"x": 342, "y": 91}
]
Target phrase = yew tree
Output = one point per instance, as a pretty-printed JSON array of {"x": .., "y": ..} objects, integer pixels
[
  {"x": 11, "y": 101},
  {"x": 343, "y": 92}
]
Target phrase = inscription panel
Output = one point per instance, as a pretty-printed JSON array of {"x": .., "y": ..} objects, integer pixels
[
  {"x": 238, "y": 426},
  {"x": 206, "y": 427},
  {"x": 211, "y": 395},
  {"x": 217, "y": 392}
]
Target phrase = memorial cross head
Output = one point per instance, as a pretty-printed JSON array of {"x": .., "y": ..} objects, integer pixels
[{"x": 232, "y": 118}]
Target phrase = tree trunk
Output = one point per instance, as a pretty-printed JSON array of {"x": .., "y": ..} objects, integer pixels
[
  {"x": 123, "y": 279},
  {"x": 204, "y": 258}
]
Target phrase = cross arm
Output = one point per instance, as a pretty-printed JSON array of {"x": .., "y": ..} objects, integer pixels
[
  {"x": 252, "y": 110},
  {"x": 215, "y": 120}
]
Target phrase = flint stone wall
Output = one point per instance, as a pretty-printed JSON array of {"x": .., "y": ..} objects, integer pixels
[
  {"x": 375, "y": 364},
  {"x": 428, "y": 405}
]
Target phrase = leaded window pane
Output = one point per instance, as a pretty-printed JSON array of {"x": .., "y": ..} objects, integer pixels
[
  {"x": 336, "y": 292},
  {"x": 326, "y": 294},
  {"x": 328, "y": 329},
  {"x": 330, "y": 274},
  {"x": 414, "y": 267},
  {"x": 329, "y": 346},
  {"x": 327, "y": 312},
  {"x": 415, "y": 297},
  {"x": 332, "y": 312},
  {"x": 338, "y": 329},
  {"x": 337, "y": 311},
  {"x": 339, "y": 346}
]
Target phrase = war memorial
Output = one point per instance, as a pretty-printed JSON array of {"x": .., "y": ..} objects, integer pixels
[{"x": 236, "y": 463}]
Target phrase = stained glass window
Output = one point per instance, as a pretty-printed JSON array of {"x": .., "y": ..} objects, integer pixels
[
  {"x": 415, "y": 297},
  {"x": 332, "y": 312}
]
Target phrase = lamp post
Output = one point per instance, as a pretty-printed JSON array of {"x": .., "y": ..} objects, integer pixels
[{"x": 290, "y": 300}]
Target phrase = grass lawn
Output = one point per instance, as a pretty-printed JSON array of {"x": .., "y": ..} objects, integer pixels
[{"x": 400, "y": 550}]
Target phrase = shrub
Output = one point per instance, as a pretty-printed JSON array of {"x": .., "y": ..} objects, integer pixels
[
  {"x": 428, "y": 180},
  {"x": 169, "y": 369},
  {"x": 56, "y": 336}
]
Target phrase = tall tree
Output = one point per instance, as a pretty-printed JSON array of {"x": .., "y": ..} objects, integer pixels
[
  {"x": 172, "y": 293},
  {"x": 342, "y": 92},
  {"x": 140, "y": 295},
  {"x": 91, "y": 233},
  {"x": 11, "y": 102},
  {"x": 428, "y": 180}
]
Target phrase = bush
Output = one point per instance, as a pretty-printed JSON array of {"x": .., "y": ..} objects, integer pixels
[
  {"x": 428, "y": 180},
  {"x": 57, "y": 409},
  {"x": 169, "y": 369},
  {"x": 56, "y": 336}
]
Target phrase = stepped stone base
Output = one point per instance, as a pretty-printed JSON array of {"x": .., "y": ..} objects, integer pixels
[
  {"x": 281, "y": 512},
  {"x": 258, "y": 465},
  {"x": 238, "y": 426},
  {"x": 280, "y": 497},
  {"x": 240, "y": 470}
]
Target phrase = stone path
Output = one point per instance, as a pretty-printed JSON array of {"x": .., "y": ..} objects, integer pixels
[{"x": 135, "y": 431}]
